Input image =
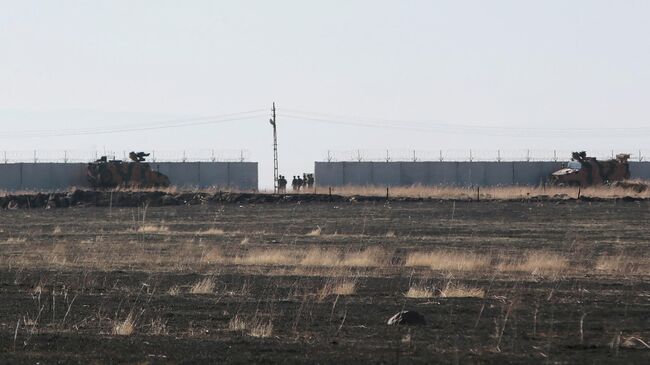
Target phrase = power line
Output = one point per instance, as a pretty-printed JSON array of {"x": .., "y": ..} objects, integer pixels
[
  {"x": 199, "y": 121},
  {"x": 431, "y": 126},
  {"x": 439, "y": 123},
  {"x": 437, "y": 127}
]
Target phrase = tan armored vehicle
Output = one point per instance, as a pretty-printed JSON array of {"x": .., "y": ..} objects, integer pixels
[
  {"x": 588, "y": 171},
  {"x": 105, "y": 173}
]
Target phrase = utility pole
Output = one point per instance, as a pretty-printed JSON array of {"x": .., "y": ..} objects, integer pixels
[{"x": 275, "y": 152}]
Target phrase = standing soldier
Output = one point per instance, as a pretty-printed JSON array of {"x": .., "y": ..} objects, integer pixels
[
  {"x": 282, "y": 184},
  {"x": 299, "y": 182},
  {"x": 309, "y": 180},
  {"x": 294, "y": 183}
]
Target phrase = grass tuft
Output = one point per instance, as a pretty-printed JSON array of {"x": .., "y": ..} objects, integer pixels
[
  {"x": 236, "y": 323},
  {"x": 125, "y": 327},
  {"x": 174, "y": 291},
  {"x": 315, "y": 232},
  {"x": 150, "y": 228},
  {"x": 419, "y": 291},
  {"x": 204, "y": 286},
  {"x": 262, "y": 329},
  {"x": 461, "y": 291}
]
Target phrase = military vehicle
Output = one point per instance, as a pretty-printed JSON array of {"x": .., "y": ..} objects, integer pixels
[
  {"x": 110, "y": 173},
  {"x": 587, "y": 171}
]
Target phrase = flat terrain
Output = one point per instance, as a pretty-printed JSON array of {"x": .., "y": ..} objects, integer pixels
[{"x": 306, "y": 282}]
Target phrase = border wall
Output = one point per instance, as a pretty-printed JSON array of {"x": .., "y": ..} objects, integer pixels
[
  {"x": 461, "y": 173},
  {"x": 61, "y": 176}
]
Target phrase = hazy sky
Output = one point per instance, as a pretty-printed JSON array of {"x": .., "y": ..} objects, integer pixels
[{"x": 370, "y": 75}]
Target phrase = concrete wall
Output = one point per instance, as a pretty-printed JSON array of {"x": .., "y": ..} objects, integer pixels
[
  {"x": 640, "y": 170},
  {"x": 60, "y": 176},
  {"x": 490, "y": 173}
]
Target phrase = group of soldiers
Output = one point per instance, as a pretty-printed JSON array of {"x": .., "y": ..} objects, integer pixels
[{"x": 306, "y": 181}]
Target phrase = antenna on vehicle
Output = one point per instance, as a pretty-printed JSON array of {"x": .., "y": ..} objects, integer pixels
[{"x": 275, "y": 152}]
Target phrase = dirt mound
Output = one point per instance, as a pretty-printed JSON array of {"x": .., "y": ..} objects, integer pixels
[
  {"x": 151, "y": 198},
  {"x": 98, "y": 198}
]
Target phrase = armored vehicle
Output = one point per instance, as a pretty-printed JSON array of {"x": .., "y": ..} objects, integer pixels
[
  {"x": 111, "y": 173},
  {"x": 587, "y": 171}
]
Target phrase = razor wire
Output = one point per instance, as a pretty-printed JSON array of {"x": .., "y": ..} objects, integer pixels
[
  {"x": 471, "y": 155},
  {"x": 84, "y": 156}
]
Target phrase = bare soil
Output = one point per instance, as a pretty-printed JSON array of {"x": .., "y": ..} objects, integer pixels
[{"x": 69, "y": 277}]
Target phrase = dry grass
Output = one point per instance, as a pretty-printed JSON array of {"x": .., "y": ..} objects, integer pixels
[
  {"x": 204, "y": 286},
  {"x": 258, "y": 327},
  {"x": 16, "y": 240},
  {"x": 125, "y": 327},
  {"x": 497, "y": 193},
  {"x": 461, "y": 291},
  {"x": 369, "y": 257},
  {"x": 337, "y": 287},
  {"x": 57, "y": 255},
  {"x": 623, "y": 265},
  {"x": 150, "y": 228},
  {"x": 237, "y": 324},
  {"x": 213, "y": 256},
  {"x": 267, "y": 257},
  {"x": 321, "y": 257},
  {"x": 212, "y": 232},
  {"x": 538, "y": 263},
  {"x": 448, "y": 260},
  {"x": 314, "y": 233},
  {"x": 262, "y": 329},
  {"x": 158, "y": 327},
  {"x": 174, "y": 291},
  {"x": 419, "y": 291}
]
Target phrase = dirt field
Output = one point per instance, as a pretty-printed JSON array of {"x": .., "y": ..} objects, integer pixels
[{"x": 497, "y": 282}]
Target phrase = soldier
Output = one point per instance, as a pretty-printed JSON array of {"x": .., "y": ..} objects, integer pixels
[
  {"x": 282, "y": 184},
  {"x": 294, "y": 183},
  {"x": 300, "y": 182},
  {"x": 310, "y": 180}
]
